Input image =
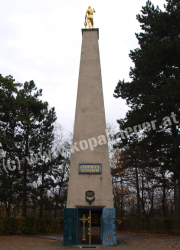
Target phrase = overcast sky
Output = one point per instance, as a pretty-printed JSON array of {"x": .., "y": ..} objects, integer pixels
[{"x": 41, "y": 40}]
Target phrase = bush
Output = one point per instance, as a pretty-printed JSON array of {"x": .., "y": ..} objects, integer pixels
[
  {"x": 151, "y": 225},
  {"x": 30, "y": 225}
]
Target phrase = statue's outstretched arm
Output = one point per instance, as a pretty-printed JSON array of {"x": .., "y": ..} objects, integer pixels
[{"x": 86, "y": 15}]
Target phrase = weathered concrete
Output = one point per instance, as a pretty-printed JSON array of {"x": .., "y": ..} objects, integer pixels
[
  {"x": 120, "y": 238},
  {"x": 90, "y": 123}
]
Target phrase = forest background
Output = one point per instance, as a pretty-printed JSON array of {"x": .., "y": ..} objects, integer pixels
[{"x": 144, "y": 153}]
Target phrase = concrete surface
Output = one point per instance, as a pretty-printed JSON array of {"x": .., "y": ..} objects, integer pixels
[
  {"x": 90, "y": 123},
  {"x": 120, "y": 239}
]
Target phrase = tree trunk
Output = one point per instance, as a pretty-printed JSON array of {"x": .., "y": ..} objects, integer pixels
[
  {"x": 57, "y": 201},
  {"x": 142, "y": 199},
  {"x": 164, "y": 196},
  {"x": 8, "y": 209},
  {"x": 137, "y": 190},
  {"x": 41, "y": 196},
  {"x": 25, "y": 192},
  {"x": 176, "y": 173},
  {"x": 175, "y": 200},
  {"x": 178, "y": 200},
  {"x": 25, "y": 177}
]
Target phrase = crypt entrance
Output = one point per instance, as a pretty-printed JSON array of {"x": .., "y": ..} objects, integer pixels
[{"x": 89, "y": 226}]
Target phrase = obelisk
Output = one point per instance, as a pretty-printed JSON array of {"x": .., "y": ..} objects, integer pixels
[
  {"x": 89, "y": 217},
  {"x": 89, "y": 129}
]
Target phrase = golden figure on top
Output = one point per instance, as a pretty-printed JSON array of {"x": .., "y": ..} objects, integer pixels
[{"x": 89, "y": 16}]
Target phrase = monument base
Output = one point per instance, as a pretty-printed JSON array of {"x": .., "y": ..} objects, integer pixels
[{"x": 90, "y": 225}]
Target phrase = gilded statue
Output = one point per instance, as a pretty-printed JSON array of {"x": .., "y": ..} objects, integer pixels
[{"x": 89, "y": 17}]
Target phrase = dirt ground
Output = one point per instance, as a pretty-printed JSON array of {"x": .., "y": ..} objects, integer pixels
[{"x": 29, "y": 243}]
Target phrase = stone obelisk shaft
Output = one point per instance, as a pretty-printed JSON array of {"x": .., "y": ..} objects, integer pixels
[{"x": 90, "y": 123}]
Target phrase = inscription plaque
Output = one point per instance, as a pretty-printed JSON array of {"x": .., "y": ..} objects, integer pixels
[{"x": 90, "y": 168}]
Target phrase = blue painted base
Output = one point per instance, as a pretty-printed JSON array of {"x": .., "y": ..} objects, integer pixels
[
  {"x": 71, "y": 225},
  {"x": 109, "y": 226}
]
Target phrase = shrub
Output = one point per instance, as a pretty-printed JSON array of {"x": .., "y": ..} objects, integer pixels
[
  {"x": 152, "y": 225},
  {"x": 30, "y": 225}
]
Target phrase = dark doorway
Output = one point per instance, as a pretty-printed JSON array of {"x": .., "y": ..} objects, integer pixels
[
  {"x": 89, "y": 226},
  {"x": 96, "y": 228}
]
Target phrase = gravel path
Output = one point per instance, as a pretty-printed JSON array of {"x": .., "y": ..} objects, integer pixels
[{"x": 40, "y": 243}]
